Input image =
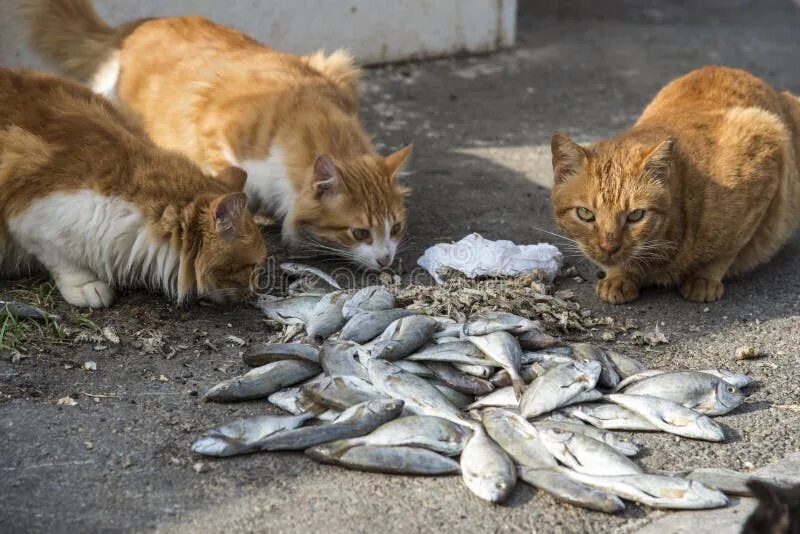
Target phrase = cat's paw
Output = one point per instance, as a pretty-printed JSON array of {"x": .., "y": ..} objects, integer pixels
[
  {"x": 95, "y": 294},
  {"x": 617, "y": 289},
  {"x": 702, "y": 290}
]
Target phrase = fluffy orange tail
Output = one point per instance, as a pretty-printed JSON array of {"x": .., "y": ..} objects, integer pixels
[
  {"x": 339, "y": 67},
  {"x": 70, "y": 33}
]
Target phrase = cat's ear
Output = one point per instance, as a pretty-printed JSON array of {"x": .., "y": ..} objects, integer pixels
[
  {"x": 326, "y": 177},
  {"x": 233, "y": 177},
  {"x": 568, "y": 157},
  {"x": 770, "y": 501},
  {"x": 396, "y": 160},
  {"x": 228, "y": 212},
  {"x": 658, "y": 161}
]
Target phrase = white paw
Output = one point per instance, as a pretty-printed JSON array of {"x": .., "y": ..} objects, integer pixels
[{"x": 94, "y": 294}]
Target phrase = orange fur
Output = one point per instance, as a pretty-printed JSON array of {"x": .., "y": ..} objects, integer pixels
[
  {"x": 712, "y": 161},
  {"x": 221, "y": 98},
  {"x": 58, "y": 140}
]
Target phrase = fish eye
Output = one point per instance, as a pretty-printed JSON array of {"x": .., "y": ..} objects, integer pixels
[
  {"x": 396, "y": 228},
  {"x": 731, "y": 389},
  {"x": 360, "y": 234},
  {"x": 585, "y": 214},
  {"x": 636, "y": 216}
]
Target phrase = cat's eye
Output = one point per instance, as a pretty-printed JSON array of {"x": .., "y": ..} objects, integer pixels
[
  {"x": 635, "y": 216},
  {"x": 360, "y": 234},
  {"x": 396, "y": 228},
  {"x": 585, "y": 215}
]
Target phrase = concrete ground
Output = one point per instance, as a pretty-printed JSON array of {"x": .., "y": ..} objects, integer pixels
[{"x": 121, "y": 460}]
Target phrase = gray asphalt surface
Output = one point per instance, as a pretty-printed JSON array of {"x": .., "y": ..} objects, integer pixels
[{"x": 481, "y": 128}]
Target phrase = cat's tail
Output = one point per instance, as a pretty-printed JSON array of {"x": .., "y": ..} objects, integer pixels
[
  {"x": 339, "y": 68},
  {"x": 71, "y": 34}
]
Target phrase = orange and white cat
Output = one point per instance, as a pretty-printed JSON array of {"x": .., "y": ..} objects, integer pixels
[
  {"x": 222, "y": 99},
  {"x": 704, "y": 186},
  {"x": 87, "y": 196}
]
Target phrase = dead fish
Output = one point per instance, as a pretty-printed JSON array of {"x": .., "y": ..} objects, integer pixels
[
  {"x": 292, "y": 310},
  {"x": 658, "y": 491},
  {"x": 355, "y": 421},
  {"x": 731, "y": 482},
  {"x": 518, "y": 438},
  {"x": 701, "y": 392},
  {"x": 238, "y": 437},
  {"x": 456, "y": 398},
  {"x": 586, "y": 396},
  {"x": 471, "y": 385},
  {"x": 417, "y": 368},
  {"x": 341, "y": 392},
  {"x": 302, "y": 270},
  {"x": 289, "y": 400},
  {"x": 609, "y": 416},
  {"x": 608, "y": 373},
  {"x": 368, "y": 325},
  {"x": 670, "y": 416},
  {"x": 736, "y": 379},
  {"x": 626, "y": 447},
  {"x": 488, "y": 322},
  {"x": 503, "y": 348},
  {"x": 432, "y": 433},
  {"x": 545, "y": 358},
  {"x": 341, "y": 358},
  {"x": 536, "y": 340},
  {"x": 262, "y": 381},
  {"x": 264, "y": 353},
  {"x": 624, "y": 365},
  {"x": 638, "y": 377},
  {"x": 558, "y": 386},
  {"x": 584, "y": 454},
  {"x": 404, "y": 336},
  {"x": 567, "y": 490},
  {"x": 420, "y": 397},
  {"x": 499, "y": 398},
  {"x": 453, "y": 352},
  {"x": 402, "y": 460},
  {"x": 326, "y": 318},
  {"x": 447, "y": 331},
  {"x": 481, "y": 371},
  {"x": 529, "y": 373},
  {"x": 26, "y": 311},
  {"x": 371, "y": 298},
  {"x": 487, "y": 470}
]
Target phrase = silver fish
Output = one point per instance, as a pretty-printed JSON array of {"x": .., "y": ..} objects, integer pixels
[
  {"x": 545, "y": 358},
  {"x": 481, "y": 371},
  {"x": 584, "y": 454},
  {"x": 628, "y": 448},
  {"x": 518, "y": 438},
  {"x": 300, "y": 269},
  {"x": 448, "y": 330},
  {"x": 292, "y": 310},
  {"x": 453, "y": 352},
  {"x": 264, "y": 353},
  {"x": 586, "y": 396},
  {"x": 529, "y": 373},
  {"x": 326, "y": 318},
  {"x": 355, "y": 421},
  {"x": 625, "y": 365},
  {"x": 732, "y": 482},
  {"x": 658, "y": 491},
  {"x": 558, "y": 386},
  {"x": 341, "y": 358},
  {"x": 433, "y": 433},
  {"x": 608, "y": 416},
  {"x": 670, "y": 416},
  {"x": 471, "y": 385},
  {"x": 488, "y": 322},
  {"x": 417, "y": 368},
  {"x": 341, "y": 392},
  {"x": 371, "y": 298},
  {"x": 487, "y": 470},
  {"x": 401, "y": 460},
  {"x": 262, "y": 381},
  {"x": 503, "y": 348},
  {"x": 368, "y": 325},
  {"x": 736, "y": 379},
  {"x": 404, "y": 336},
  {"x": 638, "y": 377},
  {"x": 567, "y": 490},
  {"x": 536, "y": 340},
  {"x": 456, "y": 398},
  {"x": 701, "y": 392},
  {"x": 420, "y": 397},
  {"x": 499, "y": 398},
  {"x": 26, "y": 311},
  {"x": 608, "y": 373},
  {"x": 289, "y": 399},
  {"x": 238, "y": 437}
]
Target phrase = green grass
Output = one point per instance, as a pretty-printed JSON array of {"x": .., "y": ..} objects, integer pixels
[{"x": 18, "y": 333}]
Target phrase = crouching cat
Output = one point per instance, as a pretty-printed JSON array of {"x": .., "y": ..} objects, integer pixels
[
  {"x": 705, "y": 186},
  {"x": 88, "y": 197}
]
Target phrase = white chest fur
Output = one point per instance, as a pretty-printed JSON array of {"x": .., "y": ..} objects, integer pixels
[
  {"x": 268, "y": 185},
  {"x": 104, "y": 81}
]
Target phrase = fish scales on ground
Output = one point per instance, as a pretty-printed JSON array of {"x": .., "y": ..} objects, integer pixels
[
  {"x": 404, "y": 336},
  {"x": 261, "y": 382},
  {"x": 264, "y": 353}
]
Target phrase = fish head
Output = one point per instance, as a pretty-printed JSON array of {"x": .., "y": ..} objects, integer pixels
[
  {"x": 217, "y": 391},
  {"x": 709, "y": 497},
  {"x": 555, "y": 435},
  {"x": 591, "y": 369},
  {"x": 492, "y": 487},
  {"x": 385, "y": 406},
  {"x": 729, "y": 395},
  {"x": 710, "y": 428}
]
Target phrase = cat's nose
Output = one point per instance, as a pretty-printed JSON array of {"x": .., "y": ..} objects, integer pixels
[
  {"x": 384, "y": 260},
  {"x": 610, "y": 247}
]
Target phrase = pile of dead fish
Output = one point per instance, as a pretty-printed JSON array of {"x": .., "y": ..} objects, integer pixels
[{"x": 378, "y": 388}]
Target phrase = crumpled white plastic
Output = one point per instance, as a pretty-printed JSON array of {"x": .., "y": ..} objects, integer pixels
[{"x": 476, "y": 256}]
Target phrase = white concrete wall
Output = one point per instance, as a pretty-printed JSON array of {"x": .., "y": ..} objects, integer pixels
[{"x": 376, "y": 31}]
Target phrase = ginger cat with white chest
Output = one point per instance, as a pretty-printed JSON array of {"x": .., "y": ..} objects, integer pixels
[
  {"x": 705, "y": 185},
  {"x": 221, "y": 98},
  {"x": 87, "y": 196}
]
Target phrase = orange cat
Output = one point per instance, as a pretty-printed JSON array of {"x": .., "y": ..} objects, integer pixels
[
  {"x": 705, "y": 185},
  {"x": 90, "y": 198},
  {"x": 222, "y": 99}
]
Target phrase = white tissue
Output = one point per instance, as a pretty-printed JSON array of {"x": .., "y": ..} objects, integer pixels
[{"x": 476, "y": 256}]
